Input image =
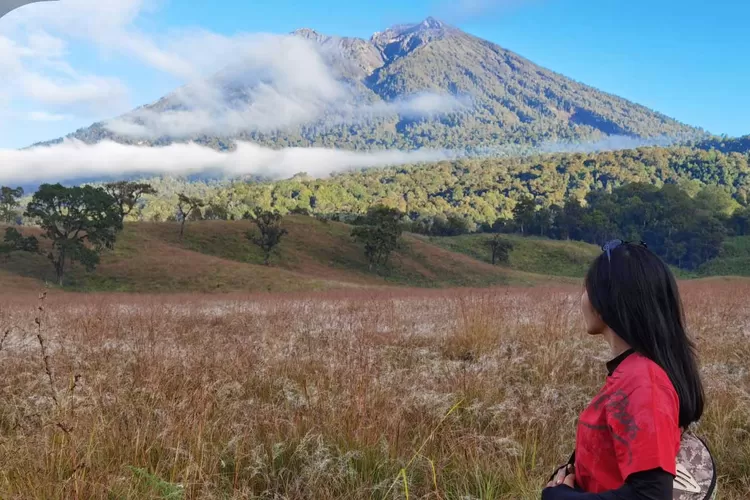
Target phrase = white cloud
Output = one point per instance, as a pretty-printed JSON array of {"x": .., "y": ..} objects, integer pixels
[
  {"x": 423, "y": 104},
  {"x": 92, "y": 19},
  {"x": 86, "y": 95},
  {"x": 74, "y": 160},
  {"x": 284, "y": 80},
  {"x": 611, "y": 143},
  {"x": 35, "y": 59},
  {"x": 43, "y": 116},
  {"x": 42, "y": 44},
  {"x": 33, "y": 67},
  {"x": 275, "y": 82}
]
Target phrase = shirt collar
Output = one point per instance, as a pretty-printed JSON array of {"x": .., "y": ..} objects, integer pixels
[{"x": 613, "y": 364}]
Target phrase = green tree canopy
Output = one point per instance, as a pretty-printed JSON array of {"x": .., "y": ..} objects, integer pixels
[
  {"x": 269, "y": 232},
  {"x": 380, "y": 233},
  {"x": 9, "y": 202},
  {"x": 79, "y": 221},
  {"x": 127, "y": 195},
  {"x": 500, "y": 249},
  {"x": 187, "y": 207}
]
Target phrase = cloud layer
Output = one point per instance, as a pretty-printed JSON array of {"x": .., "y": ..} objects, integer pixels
[
  {"x": 610, "y": 143},
  {"x": 273, "y": 83},
  {"x": 74, "y": 160}
]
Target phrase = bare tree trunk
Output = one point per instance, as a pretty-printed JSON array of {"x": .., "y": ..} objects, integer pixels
[
  {"x": 60, "y": 267},
  {"x": 182, "y": 227}
]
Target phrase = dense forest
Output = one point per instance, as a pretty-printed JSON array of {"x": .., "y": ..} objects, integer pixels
[
  {"x": 481, "y": 191},
  {"x": 686, "y": 231}
]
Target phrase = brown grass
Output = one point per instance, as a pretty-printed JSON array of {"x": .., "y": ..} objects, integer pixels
[{"x": 327, "y": 396}]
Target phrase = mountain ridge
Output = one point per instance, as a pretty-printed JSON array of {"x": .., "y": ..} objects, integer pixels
[{"x": 511, "y": 99}]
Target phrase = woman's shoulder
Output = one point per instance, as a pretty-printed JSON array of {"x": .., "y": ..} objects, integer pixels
[
  {"x": 639, "y": 371},
  {"x": 645, "y": 389}
]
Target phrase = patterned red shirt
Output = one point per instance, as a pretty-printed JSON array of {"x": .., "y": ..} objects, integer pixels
[{"x": 632, "y": 425}]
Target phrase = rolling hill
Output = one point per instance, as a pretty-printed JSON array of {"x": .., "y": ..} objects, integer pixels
[
  {"x": 499, "y": 98},
  {"x": 215, "y": 256}
]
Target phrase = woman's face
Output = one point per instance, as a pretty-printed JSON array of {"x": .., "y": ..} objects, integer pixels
[{"x": 594, "y": 323}]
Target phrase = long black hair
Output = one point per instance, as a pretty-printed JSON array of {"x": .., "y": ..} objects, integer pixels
[{"x": 636, "y": 295}]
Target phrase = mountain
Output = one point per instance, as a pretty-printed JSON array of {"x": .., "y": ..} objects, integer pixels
[{"x": 476, "y": 95}]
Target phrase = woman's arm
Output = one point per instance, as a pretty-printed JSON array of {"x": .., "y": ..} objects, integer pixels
[{"x": 655, "y": 484}]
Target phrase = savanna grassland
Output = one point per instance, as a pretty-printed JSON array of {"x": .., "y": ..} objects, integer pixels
[{"x": 440, "y": 394}]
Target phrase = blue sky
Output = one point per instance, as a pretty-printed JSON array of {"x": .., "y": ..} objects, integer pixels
[{"x": 686, "y": 59}]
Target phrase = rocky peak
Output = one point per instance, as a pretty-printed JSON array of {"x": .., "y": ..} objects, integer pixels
[
  {"x": 351, "y": 58},
  {"x": 432, "y": 24},
  {"x": 400, "y": 40},
  {"x": 311, "y": 34}
]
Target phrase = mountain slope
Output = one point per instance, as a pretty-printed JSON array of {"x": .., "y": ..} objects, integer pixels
[{"x": 423, "y": 85}]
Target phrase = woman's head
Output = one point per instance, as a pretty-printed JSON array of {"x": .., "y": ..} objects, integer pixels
[{"x": 632, "y": 292}]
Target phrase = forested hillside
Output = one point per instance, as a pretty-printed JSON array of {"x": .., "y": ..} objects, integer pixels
[
  {"x": 684, "y": 201},
  {"x": 478, "y": 190}
]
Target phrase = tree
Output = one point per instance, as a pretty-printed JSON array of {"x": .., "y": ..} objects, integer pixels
[
  {"x": 187, "y": 206},
  {"x": 15, "y": 242},
  {"x": 502, "y": 225},
  {"x": 128, "y": 194},
  {"x": 269, "y": 232},
  {"x": 542, "y": 221},
  {"x": 455, "y": 226},
  {"x": 716, "y": 200},
  {"x": 380, "y": 232},
  {"x": 500, "y": 248},
  {"x": 523, "y": 213},
  {"x": 739, "y": 223},
  {"x": 79, "y": 221},
  {"x": 9, "y": 202},
  {"x": 703, "y": 240}
]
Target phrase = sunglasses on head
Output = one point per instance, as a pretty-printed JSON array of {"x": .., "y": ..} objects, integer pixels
[{"x": 611, "y": 245}]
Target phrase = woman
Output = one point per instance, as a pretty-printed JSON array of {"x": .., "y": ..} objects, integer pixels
[{"x": 628, "y": 438}]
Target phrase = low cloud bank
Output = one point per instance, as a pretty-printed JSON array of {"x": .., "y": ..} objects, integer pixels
[
  {"x": 75, "y": 160},
  {"x": 609, "y": 143}
]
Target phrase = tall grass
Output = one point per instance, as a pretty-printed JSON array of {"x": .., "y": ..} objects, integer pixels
[{"x": 388, "y": 394}]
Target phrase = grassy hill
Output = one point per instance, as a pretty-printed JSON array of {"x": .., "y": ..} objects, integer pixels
[
  {"x": 531, "y": 255},
  {"x": 215, "y": 256},
  {"x": 733, "y": 261}
]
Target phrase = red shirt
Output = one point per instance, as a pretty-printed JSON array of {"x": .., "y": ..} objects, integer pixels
[{"x": 632, "y": 425}]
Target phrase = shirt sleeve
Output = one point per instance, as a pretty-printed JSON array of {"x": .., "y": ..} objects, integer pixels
[
  {"x": 653, "y": 484},
  {"x": 644, "y": 424}
]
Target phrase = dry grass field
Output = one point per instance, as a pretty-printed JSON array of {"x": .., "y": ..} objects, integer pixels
[{"x": 432, "y": 394}]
